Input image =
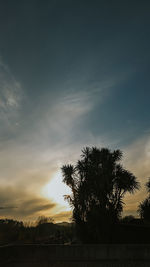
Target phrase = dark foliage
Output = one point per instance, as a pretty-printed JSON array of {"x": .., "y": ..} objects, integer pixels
[
  {"x": 127, "y": 219},
  {"x": 9, "y": 230},
  {"x": 44, "y": 232},
  {"x": 127, "y": 230},
  {"x": 98, "y": 183},
  {"x": 144, "y": 207}
]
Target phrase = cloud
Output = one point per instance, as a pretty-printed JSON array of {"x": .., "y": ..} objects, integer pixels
[
  {"x": 4, "y": 208},
  {"x": 63, "y": 216},
  {"x": 48, "y": 135},
  {"x": 29, "y": 161},
  {"x": 58, "y": 120},
  {"x": 136, "y": 159},
  {"x": 19, "y": 204},
  {"x": 10, "y": 90},
  {"x": 35, "y": 154},
  {"x": 11, "y": 96}
]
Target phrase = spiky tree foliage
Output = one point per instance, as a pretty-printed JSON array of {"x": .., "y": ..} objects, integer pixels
[
  {"x": 98, "y": 183},
  {"x": 148, "y": 186},
  {"x": 144, "y": 207}
]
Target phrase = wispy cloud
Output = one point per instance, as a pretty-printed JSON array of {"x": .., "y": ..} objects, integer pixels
[
  {"x": 11, "y": 91},
  {"x": 23, "y": 205},
  {"x": 50, "y": 135},
  {"x": 29, "y": 161},
  {"x": 11, "y": 96},
  {"x": 136, "y": 159},
  {"x": 63, "y": 216}
]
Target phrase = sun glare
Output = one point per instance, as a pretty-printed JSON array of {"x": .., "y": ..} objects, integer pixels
[{"x": 56, "y": 189}]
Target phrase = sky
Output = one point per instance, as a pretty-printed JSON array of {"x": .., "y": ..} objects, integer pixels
[{"x": 72, "y": 74}]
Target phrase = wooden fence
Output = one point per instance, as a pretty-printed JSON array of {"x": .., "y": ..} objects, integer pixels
[{"x": 121, "y": 255}]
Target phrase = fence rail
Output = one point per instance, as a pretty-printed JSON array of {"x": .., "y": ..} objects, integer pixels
[{"x": 121, "y": 255}]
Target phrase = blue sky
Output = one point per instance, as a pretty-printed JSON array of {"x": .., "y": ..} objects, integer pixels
[{"x": 72, "y": 73}]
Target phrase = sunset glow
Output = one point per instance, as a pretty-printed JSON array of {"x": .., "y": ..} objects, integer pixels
[{"x": 55, "y": 190}]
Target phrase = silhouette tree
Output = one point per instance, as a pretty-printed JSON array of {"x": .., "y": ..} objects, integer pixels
[
  {"x": 43, "y": 220},
  {"x": 98, "y": 183},
  {"x": 144, "y": 207}
]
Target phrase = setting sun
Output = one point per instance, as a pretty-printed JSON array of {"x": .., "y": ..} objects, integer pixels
[{"x": 56, "y": 189}]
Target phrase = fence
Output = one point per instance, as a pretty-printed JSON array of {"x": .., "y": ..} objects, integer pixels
[{"x": 121, "y": 255}]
